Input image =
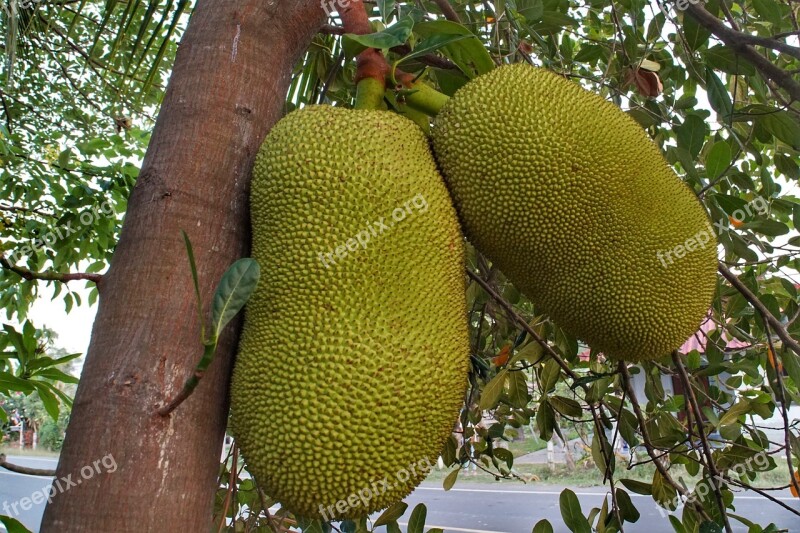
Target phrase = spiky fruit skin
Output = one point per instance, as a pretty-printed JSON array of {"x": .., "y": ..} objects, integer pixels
[
  {"x": 570, "y": 199},
  {"x": 351, "y": 372}
]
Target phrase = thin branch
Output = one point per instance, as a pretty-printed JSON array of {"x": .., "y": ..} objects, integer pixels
[
  {"x": 63, "y": 277},
  {"x": 740, "y": 43},
  {"x": 24, "y": 469},
  {"x": 507, "y": 307},
  {"x": 447, "y": 10},
  {"x": 626, "y": 380},
  {"x": 784, "y": 412},
  {"x": 773, "y": 322},
  {"x": 370, "y": 63},
  {"x": 762, "y": 492},
  {"x": 698, "y": 419}
]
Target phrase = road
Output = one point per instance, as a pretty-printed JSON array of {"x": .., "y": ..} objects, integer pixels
[{"x": 467, "y": 508}]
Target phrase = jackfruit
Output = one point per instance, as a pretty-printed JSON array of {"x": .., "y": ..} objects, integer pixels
[
  {"x": 353, "y": 360},
  {"x": 575, "y": 204}
]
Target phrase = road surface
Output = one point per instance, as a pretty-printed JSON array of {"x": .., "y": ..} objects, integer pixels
[{"x": 467, "y": 508}]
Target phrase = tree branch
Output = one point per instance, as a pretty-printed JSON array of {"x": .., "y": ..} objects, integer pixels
[
  {"x": 447, "y": 10},
  {"x": 774, "y": 323},
  {"x": 63, "y": 277},
  {"x": 626, "y": 381},
  {"x": 24, "y": 469},
  {"x": 698, "y": 419},
  {"x": 740, "y": 43}
]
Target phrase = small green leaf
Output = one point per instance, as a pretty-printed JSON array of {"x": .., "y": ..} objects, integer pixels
[
  {"x": 627, "y": 510},
  {"x": 469, "y": 54},
  {"x": 718, "y": 159},
  {"x": 416, "y": 523},
  {"x": 391, "y": 514},
  {"x": 566, "y": 406},
  {"x": 490, "y": 395},
  {"x": 550, "y": 374},
  {"x": 572, "y": 514},
  {"x": 233, "y": 291},
  {"x": 542, "y": 526},
  {"x": 13, "y": 525},
  {"x": 639, "y": 487},
  {"x": 517, "y": 389},
  {"x": 450, "y": 480},
  {"x": 394, "y": 35},
  {"x": 545, "y": 420}
]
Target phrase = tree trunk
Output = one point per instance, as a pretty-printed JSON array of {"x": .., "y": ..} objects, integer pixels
[{"x": 227, "y": 89}]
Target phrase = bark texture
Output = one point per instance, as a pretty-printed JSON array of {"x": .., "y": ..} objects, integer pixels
[{"x": 227, "y": 89}]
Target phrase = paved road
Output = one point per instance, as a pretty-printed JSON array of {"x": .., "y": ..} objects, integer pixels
[
  {"x": 467, "y": 508},
  {"x": 507, "y": 508}
]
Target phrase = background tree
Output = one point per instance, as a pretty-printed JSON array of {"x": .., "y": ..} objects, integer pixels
[{"x": 714, "y": 84}]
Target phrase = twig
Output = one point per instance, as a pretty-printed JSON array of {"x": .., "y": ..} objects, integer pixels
[
  {"x": 698, "y": 419},
  {"x": 63, "y": 277},
  {"x": 761, "y": 492},
  {"x": 24, "y": 469},
  {"x": 784, "y": 412},
  {"x": 192, "y": 382},
  {"x": 740, "y": 43},
  {"x": 507, "y": 307},
  {"x": 447, "y": 10},
  {"x": 626, "y": 380},
  {"x": 776, "y": 326}
]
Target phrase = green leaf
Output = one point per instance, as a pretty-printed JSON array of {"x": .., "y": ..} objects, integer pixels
[
  {"x": 731, "y": 416},
  {"x": 718, "y": 159},
  {"x": 676, "y": 524},
  {"x": 233, "y": 291},
  {"x": 639, "y": 487},
  {"x": 469, "y": 54},
  {"x": 394, "y": 35},
  {"x": 450, "y": 480},
  {"x": 391, "y": 514},
  {"x": 627, "y": 510},
  {"x": 542, "y": 526},
  {"x": 664, "y": 493},
  {"x": 431, "y": 44},
  {"x": 781, "y": 124},
  {"x": 517, "y": 389},
  {"x": 490, "y": 395},
  {"x": 545, "y": 420},
  {"x": 416, "y": 523},
  {"x": 691, "y": 134},
  {"x": 49, "y": 399},
  {"x": 718, "y": 95},
  {"x": 572, "y": 514},
  {"x": 566, "y": 406},
  {"x": 193, "y": 266},
  {"x": 13, "y": 525},
  {"x": 550, "y": 374}
]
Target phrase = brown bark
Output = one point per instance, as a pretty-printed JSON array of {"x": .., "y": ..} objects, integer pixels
[{"x": 227, "y": 88}]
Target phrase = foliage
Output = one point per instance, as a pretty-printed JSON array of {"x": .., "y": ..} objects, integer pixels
[{"x": 709, "y": 93}]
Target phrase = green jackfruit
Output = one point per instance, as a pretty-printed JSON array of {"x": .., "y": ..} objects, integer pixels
[
  {"x": 576, "y": 205},
  {"x": 353, "y": 360}
]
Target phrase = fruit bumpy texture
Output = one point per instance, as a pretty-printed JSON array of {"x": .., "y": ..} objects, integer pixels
[
  {"x": 570, "y": 199},
  {"x": 351, "y": 371}
]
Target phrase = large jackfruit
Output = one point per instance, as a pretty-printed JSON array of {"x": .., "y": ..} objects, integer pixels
[
  {"x": 576, "y": 205},
  {"x": 353, "y": 359}
]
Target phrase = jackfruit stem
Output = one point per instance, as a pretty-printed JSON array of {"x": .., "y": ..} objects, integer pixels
[
  {"x": 369, "y": 94},
  {"x": 426, "y": 99}
]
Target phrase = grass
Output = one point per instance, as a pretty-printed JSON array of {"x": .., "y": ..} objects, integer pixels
[{"x": 27, "y": 452}]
